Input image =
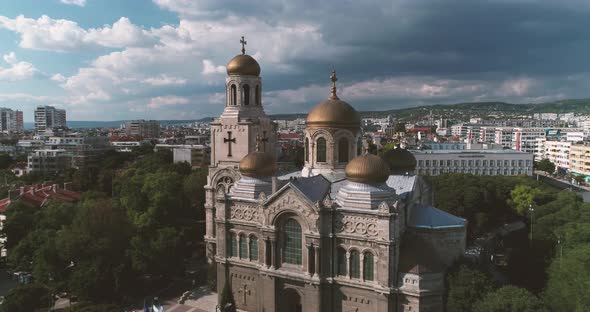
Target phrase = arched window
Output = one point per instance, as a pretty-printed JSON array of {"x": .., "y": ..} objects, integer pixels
[
  {"x": 368, "y": 266},
  {"x": 306, "y": 151},
  {"x": 253, "y": 248},
  {"x": 243, "y": 247},
  {"x": 234, "y": 245},
  {"x": 355, "y": 264},
  {"x": 321, "y": 150},
  {"x": 246, "y": 95},
  {"x": 292, "y": 242},
  {"x": 341, "y": 258},
  {"x": 258, "y": 95},
  {"x": 343, "y": 150},
  {"x": 233, "y": 95}
]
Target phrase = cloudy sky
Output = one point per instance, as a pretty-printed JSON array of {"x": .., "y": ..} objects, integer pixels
[{"x": 165, "y": 59}]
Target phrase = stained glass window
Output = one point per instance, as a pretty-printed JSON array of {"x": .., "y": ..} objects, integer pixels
[
  {"x": 368, "y": 266},
  {"x": 243, "y": 247},
  {"x": 321, "y": 150},
  {"x": 343, "y": 150},
  {"x": 234, "y": 246},
  {"x": 355, "y": 264},
  {"x": 341, "y": 257},
  {"x": 292, "y": 242},
  {"x": 253, "y": 248}
]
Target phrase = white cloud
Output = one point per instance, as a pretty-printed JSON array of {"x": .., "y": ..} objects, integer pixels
[
  {"x": 58, "y": 78},
  {"x": 168, "y": 100},
  {"x": 210, "y": 68},
  {"x": 80, "y": 3},
  {"x": 50, "y": 34},
  {"x": 17, "y": 70},
  {"x": 164, "y": 80}
]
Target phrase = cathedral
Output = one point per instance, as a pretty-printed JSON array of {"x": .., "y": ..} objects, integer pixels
[{"x": 349, "y": 232}]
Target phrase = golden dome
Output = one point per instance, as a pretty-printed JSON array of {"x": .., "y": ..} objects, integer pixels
[
  {"x": 333, "y": 112},
  {"x": 258, "y": 164},
  {"x": 367, "y": 168},
  {"x": 400, "y": 160},
  {"x": 243, "y": 64}
]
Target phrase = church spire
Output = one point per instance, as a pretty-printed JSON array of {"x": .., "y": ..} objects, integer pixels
[{"x": 333, "y": 78}]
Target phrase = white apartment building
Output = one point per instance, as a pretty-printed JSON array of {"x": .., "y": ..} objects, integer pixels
[
  {"x": 49, "y": 117},
  {"x": 487, "y": 134},
  {"x": 524, "y": 139},
  {"x": 503, "y": 136},
  {"x": 477, "y": 162},
  {"x": 558, "y": 153}
]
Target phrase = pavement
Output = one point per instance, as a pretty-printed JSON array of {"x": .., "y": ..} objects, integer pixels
[{"x": 200, "y": 300}]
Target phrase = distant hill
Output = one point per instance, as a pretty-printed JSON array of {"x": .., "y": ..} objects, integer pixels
[{"x": 578, "y": 106}]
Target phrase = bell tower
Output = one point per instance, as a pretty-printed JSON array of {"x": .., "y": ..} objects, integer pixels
[{"x": 234, "y": 133}]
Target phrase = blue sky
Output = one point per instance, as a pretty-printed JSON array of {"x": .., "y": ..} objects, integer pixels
[{"x": 165, "y": 59}]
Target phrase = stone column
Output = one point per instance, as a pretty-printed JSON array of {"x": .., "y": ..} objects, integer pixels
[
  {"x": 362, "y": 271},
  {"x": 316, "y": 253},
  {"x": 348, "y": 264},
  {"x": 309, "y": 259},
  {"x": 273, "y": 252}
]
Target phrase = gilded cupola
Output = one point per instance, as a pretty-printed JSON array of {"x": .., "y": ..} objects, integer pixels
[
  {"x": 367, "y": 168},
  {"x": 333, "y": 112},
  {"x": 258, "y": 164},
  {"x": 243, "y": 64}
]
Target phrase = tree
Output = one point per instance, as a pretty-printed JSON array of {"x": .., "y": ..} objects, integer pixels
[
  {"x": 227, "y": 297},
  {"x": 523, "y": 197},
  {"x": 27, "y": 298},
  {"x": 5, "y": 161},
  {"x": 546, "y": 165},
  {"x": 465, "y": 287},
  {"x": 569, "y": 280},
  {"x": 579, "y": 179},
  {"x": 19, "y": 223},
  {"x": 510, "y": 298},
  {"x": 399, "y": 127}
]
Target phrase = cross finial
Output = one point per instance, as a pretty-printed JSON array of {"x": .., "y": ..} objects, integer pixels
[
  {"x": 244, "y": 43},
  {"x": 333, "y": 78},
  {"x": 258, "y": 140}
]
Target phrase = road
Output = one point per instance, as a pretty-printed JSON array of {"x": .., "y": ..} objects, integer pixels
[{"x": 564, "y": 185}]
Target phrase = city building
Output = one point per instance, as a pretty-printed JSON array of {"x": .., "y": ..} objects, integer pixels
[
  {"x": 558, "y": 153},
  {"x": 49, "y": 161},
  {"x": 9, "y": 120},
  {"x": 579, "y": 160},
  {"x": 20, "y": 123},
  {"x": 48, "y": 118},
  {"x": 196, "y": 155},
  {"x": 524, "y": 139},
  {"x": 478, "y": 162},
  {"x": 143, "y": 128},
  {"x": 350, "y": 232}
]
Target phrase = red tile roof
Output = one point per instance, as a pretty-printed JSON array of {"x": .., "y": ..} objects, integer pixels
[{"x": 40, "y": 195}]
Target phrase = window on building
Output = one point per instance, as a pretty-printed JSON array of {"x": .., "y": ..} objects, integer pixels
[
  {"x": 246, "y": 95},
  {"x": 448, "y": 163},
  {"x": 343, "y": 150},
  {"x": 321, "y": 150},
  {"x": 233, "y": 96},
  {"x": 292, "y": 242},
  {"x": 253, "y": 248},
  {"x": 456, "y": 163},
  {"x": 506, "y": 163},
  {"x": 341, "y": 255},
  {"x": 427, "y": 163},
  {"x": 463, "y": 163},
  {"x": 234, "y": 245},
  {"x": 355, "y": 264},
  {"x": 528, "y": 163},
  {"x": 470, "y": 163},
  {"x": 420, "y": 163},
  {"x": 513, "y": 163},
  {"x": 484, "y": 162},
  {"x": 243, "y": 247},
  {"x": 306, "y": 149},
  {"x": 477, "y": 162},
  {"x": 491, "y": 162},
  {"x": 520, "y": 163}
]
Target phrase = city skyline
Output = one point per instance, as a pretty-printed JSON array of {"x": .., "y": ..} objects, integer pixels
[{"x": 166, "y": 59}]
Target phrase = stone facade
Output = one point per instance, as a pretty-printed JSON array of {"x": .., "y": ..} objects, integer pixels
[{"x": 313, "y": 240}]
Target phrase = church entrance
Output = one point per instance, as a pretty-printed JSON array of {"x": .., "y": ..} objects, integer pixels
[{"x": 289, "y": 300}]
